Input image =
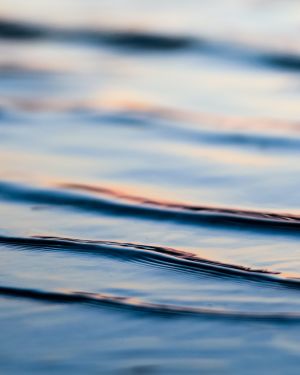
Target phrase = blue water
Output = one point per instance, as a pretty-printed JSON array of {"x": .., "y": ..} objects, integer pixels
[{"x": 149, "y": 187}]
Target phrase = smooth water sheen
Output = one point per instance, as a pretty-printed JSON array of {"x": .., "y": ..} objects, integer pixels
[{"x": 149, "y": 187}]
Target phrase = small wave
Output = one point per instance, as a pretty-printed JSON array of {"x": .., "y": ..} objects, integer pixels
[
  {"x": 229, "y": 215},
  {"x": 224, "y": 130},
  {"x": 147, "y": 41},
  {"x": 134, "y": 304},
  {"x": 285, "y": 61},
  {"x": 126, "y": 38},
  {"x": 140, "y": 40},
  {"x": 112, "y": 202},
  {"x": 128, "y": 111},
  {"x": 168, "y": 254},
  {"x": 212, "y": 129},
  {"x": 11, "y": 29},
  {"x": 156, "y": 255}
]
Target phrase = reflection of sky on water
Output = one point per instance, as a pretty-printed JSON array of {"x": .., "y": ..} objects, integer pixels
[{"x": 104, "y": 135}]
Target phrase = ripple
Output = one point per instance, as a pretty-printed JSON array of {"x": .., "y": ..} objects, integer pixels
[
  {"x": 135, "y": 304},
  {"x": 130, "y": 39},
  {"x": 140, "y": 40},
  {"x": 209, "y": 129},
  {"x": 112, "y": 202},
  {"x": 190, "y": 212},
  {"x": 165, "y": 257}
]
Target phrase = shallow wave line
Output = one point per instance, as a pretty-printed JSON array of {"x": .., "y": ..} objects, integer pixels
[
  {"x": 134, "y": 304},
  {"x": 262, "y": 217},
  {"x": 111, "y": 202},
  {"x": 164, "y": 256},
  {"x": 143, "y": 41}
]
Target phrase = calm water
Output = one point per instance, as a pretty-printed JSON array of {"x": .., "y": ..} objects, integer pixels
[{"x": 149, "y": 187}]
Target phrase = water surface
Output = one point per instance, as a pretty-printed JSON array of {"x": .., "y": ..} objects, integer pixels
[{"x": 149, "y": 187}]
